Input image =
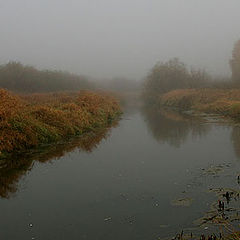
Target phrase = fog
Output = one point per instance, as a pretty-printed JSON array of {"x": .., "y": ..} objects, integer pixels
[{"x": 125, "y": 38}]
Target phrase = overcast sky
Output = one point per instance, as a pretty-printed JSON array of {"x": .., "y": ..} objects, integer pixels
[{"x": 107, "y": 38}]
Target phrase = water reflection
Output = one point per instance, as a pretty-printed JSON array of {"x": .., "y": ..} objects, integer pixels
[
  {"x": 12, "y": 170},
  {"x": 172, "y": 127},
  {"x": 235, "y": 137},
  {"x": 122, "y": 189}
]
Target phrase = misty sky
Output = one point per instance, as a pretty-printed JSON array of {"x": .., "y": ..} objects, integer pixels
[{"x": 107, "y": 38}]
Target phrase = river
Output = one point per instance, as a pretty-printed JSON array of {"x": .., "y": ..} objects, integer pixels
[{"x": 148, "y": 177}]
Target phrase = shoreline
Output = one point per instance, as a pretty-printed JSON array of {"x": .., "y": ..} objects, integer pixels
[
  {"x": 219, "y": 102},
  {"x": 71, "y": 138},
  {"x": 32, "y": 121}
]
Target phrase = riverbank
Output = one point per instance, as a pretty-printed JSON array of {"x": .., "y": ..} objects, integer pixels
[
  {"x": 31, "y": 120},
  {"x": 224, "y": 102}
]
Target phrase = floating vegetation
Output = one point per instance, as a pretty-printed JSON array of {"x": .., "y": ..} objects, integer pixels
[
  {"x": 185, "y": 202},
  {"x": 222, "y": 220},
  {"x": 226, "y": 193},
  {"x": 223, "y": 213},
  {"x": 216, "y": 216},
  {"x": 214, "y": 170},
  {"x": 164, "y": 226}
]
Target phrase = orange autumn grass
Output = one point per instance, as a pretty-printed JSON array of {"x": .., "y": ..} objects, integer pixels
[
  {"x": 219, "y": 101},
  {"x": 30, "y": 120}
]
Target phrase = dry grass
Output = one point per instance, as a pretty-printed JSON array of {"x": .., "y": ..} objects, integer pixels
[
  {"x": 27, "y": 121},
  {"x": 224, "y": 102}
]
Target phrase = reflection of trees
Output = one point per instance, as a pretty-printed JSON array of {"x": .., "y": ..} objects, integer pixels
[
  {"x": 171, "y": 126},
  {"x": 10, "y": 173},
  {"x": 236, "y": 140},
  {"x": 12, "y": 170}
]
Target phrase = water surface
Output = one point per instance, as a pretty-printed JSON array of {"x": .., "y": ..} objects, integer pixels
[{"x": 121, "y": 183}]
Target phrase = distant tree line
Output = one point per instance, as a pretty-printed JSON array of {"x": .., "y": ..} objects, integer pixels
[
  {"x": 174, "y": 74},
  {"x": 26, "y": 79},
  {"x": 171, "y": 75}
]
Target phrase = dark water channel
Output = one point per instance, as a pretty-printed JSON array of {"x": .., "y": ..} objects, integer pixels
[{"x": 146, "y": 178}]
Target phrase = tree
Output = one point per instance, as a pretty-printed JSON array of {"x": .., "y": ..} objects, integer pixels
[
  {"x": 172, "y": 75},
  {"x": 164, "y": 77},
  {"x": 235, "y": 63}
]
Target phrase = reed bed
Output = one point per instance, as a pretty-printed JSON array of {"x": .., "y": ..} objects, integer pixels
[
  {"x": 217, "y": 101},
  {"x": 27, "y": 121}
]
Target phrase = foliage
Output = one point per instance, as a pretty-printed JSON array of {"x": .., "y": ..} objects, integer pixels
[
  {"x": 30, "y": 120},
  {"x": 171, "y": 75},
  {"x": 26, "y": 79},
  {"x": 166, "y": 76}
]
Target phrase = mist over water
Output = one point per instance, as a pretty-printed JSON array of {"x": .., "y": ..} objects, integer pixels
[
  {"x": 109, "y": 38},
  {"x": 119, "y": 119}
]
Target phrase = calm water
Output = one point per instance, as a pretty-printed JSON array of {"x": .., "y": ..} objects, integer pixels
[{"x": 121, "y": 183}]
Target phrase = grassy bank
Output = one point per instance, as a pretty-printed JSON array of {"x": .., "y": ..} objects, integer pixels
[
  {"x": 32, "y": 120},
  {"x": 217, "y": 101}
]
